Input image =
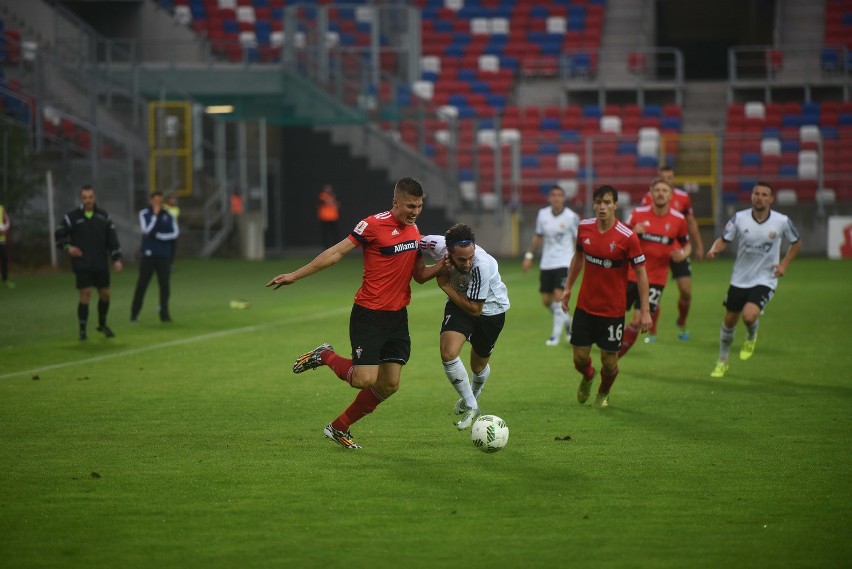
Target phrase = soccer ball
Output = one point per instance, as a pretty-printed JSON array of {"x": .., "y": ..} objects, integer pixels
[{"x": 489, "y": 433}]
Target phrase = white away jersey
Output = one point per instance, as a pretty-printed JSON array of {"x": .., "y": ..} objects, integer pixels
[
  {"x": 758, "y": 247},
  {"x": 559, "y": 235},
  {"x": 482, "y": 283}
]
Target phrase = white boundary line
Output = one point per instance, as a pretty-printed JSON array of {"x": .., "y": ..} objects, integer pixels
[{"x": 194, "y": 339}]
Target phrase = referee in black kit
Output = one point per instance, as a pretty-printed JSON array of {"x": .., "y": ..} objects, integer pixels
[{"x": 88, "y": 235}]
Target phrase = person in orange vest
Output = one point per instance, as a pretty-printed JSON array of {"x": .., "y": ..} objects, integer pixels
[
  {"x": 236, "y": 204},
  {"x": 328, "y": 212}
]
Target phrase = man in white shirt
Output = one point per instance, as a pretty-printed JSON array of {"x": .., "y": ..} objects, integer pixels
[
  {"x": 477, "y": 301},
  {"x": 556, "y": 234},
  {"x": 759, "y": 232}
]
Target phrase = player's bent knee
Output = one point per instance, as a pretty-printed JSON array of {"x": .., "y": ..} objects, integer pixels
[
  {"x": 581, "y": 363},
  {"x": 362, "y": 380}
]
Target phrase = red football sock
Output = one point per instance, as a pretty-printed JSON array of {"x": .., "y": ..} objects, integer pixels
[
  {"x": 607, "y": 380},
  {"x": 630, "y": 335},
  {"x": 683, "y": 311},
  {"x": 342, "y": 367},
  {"x": 365, "y": 403},
  {"x": 588, "y": 371}
]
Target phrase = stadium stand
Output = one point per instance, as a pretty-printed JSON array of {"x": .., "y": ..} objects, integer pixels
[{"x": 786, "y": 144}]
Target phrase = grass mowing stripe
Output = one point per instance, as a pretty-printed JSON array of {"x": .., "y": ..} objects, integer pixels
[{"x": 199, "y": 338}]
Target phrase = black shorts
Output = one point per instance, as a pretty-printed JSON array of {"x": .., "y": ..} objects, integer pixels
[
  {"x": 98, "y": 279},
  {"x": 681, "y": 269},
  {"x": 379, "y": 336},
  {"x": 481, "y": 331},
  {"x": 737, "y": 298},
  {"x": 588, "y": 329},
  {"x": 655, "y": 295},
  {"x": 552, "y": 279}
]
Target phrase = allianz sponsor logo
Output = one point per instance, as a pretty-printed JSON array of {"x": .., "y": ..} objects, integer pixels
[
  {"x": 664, "y": 239},
  {"x": 605, "y": 263},
  {"x": 407, "y": 246}
]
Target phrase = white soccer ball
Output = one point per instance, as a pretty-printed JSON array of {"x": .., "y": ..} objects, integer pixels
[{"x": 489, "y": 433}]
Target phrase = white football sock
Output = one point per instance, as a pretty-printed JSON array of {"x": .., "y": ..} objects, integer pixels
[
  {"x": 752, "y": 330},
  {"x": 457, "y": 374},
  {"x": 479, "y": 380},
  {"x": 726, "y": 338},
  {"x": 558, "y": 319}
]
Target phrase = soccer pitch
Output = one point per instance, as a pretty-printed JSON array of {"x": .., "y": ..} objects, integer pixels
[{"x": 192, "y": 444}]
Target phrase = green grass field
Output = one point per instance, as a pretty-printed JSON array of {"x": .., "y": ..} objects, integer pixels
[{"x": 194, "y": 445}]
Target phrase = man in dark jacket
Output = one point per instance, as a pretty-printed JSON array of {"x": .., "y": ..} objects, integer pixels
[
  {"x": 88, "y": 235},
  {"x": 159, "y": 230}
]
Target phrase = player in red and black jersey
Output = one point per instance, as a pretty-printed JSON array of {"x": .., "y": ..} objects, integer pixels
[
  {"x": 605, "y": 247},
  {"x": 681, "y": 270},
  {"x": 378, "y": 324},
  {"x": 664, "y": 237}
]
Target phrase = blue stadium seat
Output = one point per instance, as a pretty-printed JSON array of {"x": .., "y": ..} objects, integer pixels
[
  {"x": 828, "y": 133},
  {"x": 549, "y": 123},
  {"x": 548, "y": 148},
  {"x": 829, "y": 59},
  {"x": 670, "y": 123},
  {"x": 652, "y": 111},
  {"x": 750, "y": 159},
  {"x": 646, "y": 162},
  {"x": 593, "y": 111},
  {"x": 810, "y": 108},
  {"x": 530, "y": 161},
  {"x": 791, "y": 121},
  {"x": 466, "y": 75},
  {"x": 789, "y": 146},
  {"x": 496, "y": 101},
  {"x": 626, "y": 147}
]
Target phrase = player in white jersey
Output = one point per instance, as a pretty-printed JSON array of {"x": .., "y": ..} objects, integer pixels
[
  {"x": 477, "y": 301},
  {"x": 556, "y": 234},
  {"x": 758, "y": 232}
]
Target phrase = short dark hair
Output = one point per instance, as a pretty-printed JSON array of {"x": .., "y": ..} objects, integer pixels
[
  {"x": 409, "y": 186},
  {"x": 665, "y": 167},
  {"x": 459, "y": 234},
  {"x": 601, "y": 191},
  {"x": 556, "y": 187},
  {"x": 86, "y": 187},
  {"x": 661, "y": 180},
  {"x": 765, "y": 185},
  {"x": 156, "y": 193}
]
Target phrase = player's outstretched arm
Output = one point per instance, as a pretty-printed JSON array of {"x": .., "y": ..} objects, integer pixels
[
  {"x": 679, "y": 255},
  {"x": 788, "y": 257},
  {"x": 717, "y": 247},
  {"x": 530, "y": 254},
  {"x": 423, "y": 272},
  {"x": 573, "y": 272},
  {"x": 695, "y": 236},
  {"x": 322, "y": 261}
]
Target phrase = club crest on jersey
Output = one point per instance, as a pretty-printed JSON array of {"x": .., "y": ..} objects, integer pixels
[
  {"x": 772, "y": 235},
  {"x": 612, "y": 247},
  {"x": 359, "y": 229}
]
